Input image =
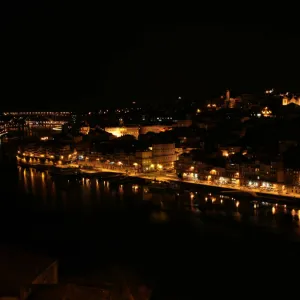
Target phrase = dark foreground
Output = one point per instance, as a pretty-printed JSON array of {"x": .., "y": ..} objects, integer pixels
[{"x": 186, "y": 256}]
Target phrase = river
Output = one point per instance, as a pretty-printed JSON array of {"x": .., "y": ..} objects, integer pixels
[{"x": 93, "y": 226}]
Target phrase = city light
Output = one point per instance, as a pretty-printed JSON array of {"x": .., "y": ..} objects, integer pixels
[
  {"x": 269, "y": 91},
  {"x": 266, "y": 112},
  {"x": 213, "y": 172}
]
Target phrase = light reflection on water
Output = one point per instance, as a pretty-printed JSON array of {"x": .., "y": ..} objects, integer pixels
[
  {"x": 69, "y": 193},
  {"x": 261, "y": 212}
]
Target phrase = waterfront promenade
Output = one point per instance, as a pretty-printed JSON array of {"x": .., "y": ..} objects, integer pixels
[
  {"x": 160, "y": 176},
  {"x": 164, "y": 176}
]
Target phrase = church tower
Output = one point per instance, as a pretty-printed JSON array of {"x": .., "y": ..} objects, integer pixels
[
  {"x": 227, "y": 95},
  {"x": 285, "y": 100}
]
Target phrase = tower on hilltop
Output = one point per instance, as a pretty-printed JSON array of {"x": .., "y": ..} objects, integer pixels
[{"x": 227, "y": 95}]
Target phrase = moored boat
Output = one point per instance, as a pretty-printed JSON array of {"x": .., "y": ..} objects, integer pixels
[
  {"x": 63, "y": 171},
  {"x": 163, "y": 186}
]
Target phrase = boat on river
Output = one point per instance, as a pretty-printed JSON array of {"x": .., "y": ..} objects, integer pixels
[
  {"x": 162, "y": 186},
  {"x": 39, "y": 167},
  {"x": 64, "y": 171}
]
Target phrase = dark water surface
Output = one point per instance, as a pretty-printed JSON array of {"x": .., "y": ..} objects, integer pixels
[{"x": 173, "y": 242}]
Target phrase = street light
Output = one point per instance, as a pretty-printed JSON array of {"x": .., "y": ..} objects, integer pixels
[
  {"x": 213, "y": 172},
  {"x": 135, "y": 165}
]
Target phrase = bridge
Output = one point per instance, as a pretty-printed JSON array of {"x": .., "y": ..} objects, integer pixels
[
  {"x": 37, "y": 113},
  {"x": 3, "y": 132}
]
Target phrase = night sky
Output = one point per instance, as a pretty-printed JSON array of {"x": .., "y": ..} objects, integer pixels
[{"x": 67, "y": 57}]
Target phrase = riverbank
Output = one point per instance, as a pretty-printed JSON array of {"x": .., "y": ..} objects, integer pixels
[
  {"x": 228, "y": 189},
  {"x": 172, "y": 178},
  {"x": 231, "y": 191}
]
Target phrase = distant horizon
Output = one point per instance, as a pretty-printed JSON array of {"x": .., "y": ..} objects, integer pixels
[{"x": 159, "y": 101}]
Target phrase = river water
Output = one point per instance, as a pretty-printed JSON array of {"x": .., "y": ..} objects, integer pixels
[
  {"x": 38, "y": 191},
  {"x": 94, "y": 225}
]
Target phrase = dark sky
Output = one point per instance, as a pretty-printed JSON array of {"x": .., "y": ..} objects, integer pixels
[{"x": 65, "y": 56}]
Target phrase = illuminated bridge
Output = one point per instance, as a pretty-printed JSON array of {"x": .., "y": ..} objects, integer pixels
[
  {"x": 3, "y": 133},
  {"x": 37, "y": 113},
  {"x": 43, "y": 121},
  {"x": 3, "y": 130},
  {"x": 30, "y": 122}
]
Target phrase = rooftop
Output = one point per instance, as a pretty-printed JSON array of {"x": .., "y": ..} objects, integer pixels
[
  {"x": 19, "y": 268},
  {"x": 48, "y": 143}
]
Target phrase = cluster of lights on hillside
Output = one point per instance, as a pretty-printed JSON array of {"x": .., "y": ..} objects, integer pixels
[
  {"x": 269, "y": 91},
  {"x": 266, "y": 112},
  {"x": 272, "y": 92}
]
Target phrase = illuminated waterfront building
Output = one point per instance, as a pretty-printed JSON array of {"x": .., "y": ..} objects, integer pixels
[
  {"x": 46, "y": 153},
  {"x": 164, "y": 155},
  {"x": 158, "y": 157},
  {"x": 189, "y": 167},
  {"x": 144, "y": 160}
]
